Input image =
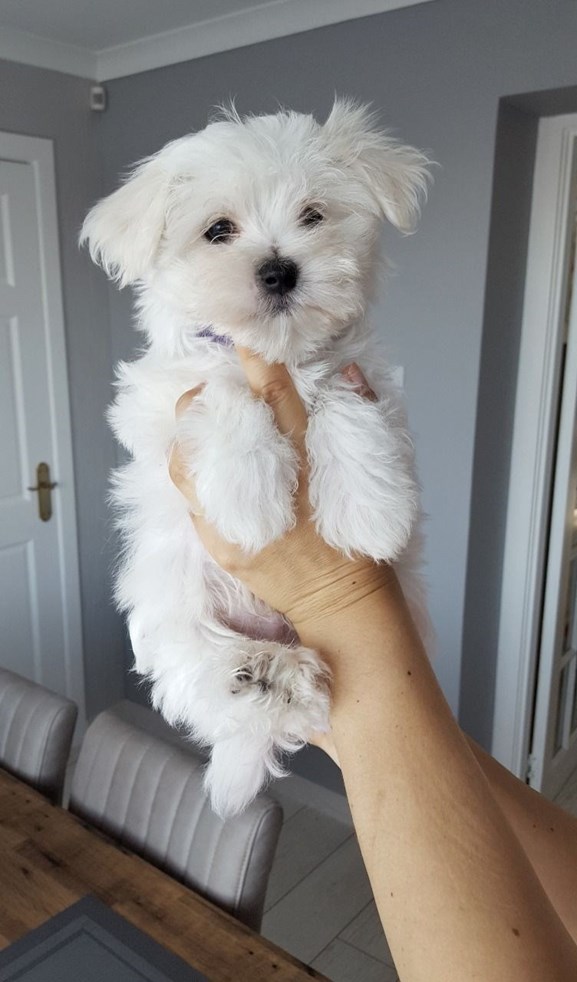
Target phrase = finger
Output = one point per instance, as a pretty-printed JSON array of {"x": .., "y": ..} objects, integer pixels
[
  {"x": 185, "y": 400},
  {"x": 274, "y": 384},
  {"x": 353, "y": 374},
  {"x": 181, "y": 478},
  {"x": 177, "y": 466}
]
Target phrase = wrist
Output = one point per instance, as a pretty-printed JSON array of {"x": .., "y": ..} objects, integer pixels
[
  {"x": 342, "y": 594},
  {"x": 370, "y": 646},
  {"x": 344, "y": 603}
]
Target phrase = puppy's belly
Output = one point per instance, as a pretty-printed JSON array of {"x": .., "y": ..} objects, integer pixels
[{"x": 261, "y": 627}]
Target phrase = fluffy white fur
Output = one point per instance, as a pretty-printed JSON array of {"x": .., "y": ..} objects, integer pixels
[{"x": 222, "y": 663}]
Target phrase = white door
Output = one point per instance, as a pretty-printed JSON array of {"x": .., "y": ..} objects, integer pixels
[
  {"x": 40, "y": 630},
  {"x": 554, "y": 745}
]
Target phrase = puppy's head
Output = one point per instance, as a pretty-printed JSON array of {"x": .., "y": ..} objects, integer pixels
[{"x": 264, "y": 228}]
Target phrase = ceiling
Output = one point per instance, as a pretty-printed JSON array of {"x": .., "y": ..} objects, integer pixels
[{"x": 112, "y": 38}]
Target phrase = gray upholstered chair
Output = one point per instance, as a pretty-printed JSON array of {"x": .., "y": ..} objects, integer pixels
[
  {"x": 148, "y": 794},
  {"x": 36, "y": 727}
]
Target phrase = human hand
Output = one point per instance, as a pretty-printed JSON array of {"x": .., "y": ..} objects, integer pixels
[{"x": 299, "y": 574}]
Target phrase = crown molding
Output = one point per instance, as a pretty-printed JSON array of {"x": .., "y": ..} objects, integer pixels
[
  {"x": 29, "y": 49},
  {"x": 275, "y": 19}
]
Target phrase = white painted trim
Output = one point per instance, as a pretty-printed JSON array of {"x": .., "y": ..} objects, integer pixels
[
  {"x": 253, "y": 24},
  {"x": 552, "y": 770},
  {"x": 276, "y": 19},
  {"x": 535, "y": 408},
  {"x": 39, "y": 154},
  {"x": 29, "y": 49}
]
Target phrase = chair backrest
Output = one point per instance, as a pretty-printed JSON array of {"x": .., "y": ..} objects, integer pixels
[
  {"x": 148, "y": 794},
  {"x": 36, "y": 727}
]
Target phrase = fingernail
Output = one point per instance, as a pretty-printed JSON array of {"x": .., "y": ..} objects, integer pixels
[
  {"x": 185, "y": 399},
  {"x": 353, "y": 374}
]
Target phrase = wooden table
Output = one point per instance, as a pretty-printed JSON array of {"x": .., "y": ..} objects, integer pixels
[{"x": 49, "y": 859}]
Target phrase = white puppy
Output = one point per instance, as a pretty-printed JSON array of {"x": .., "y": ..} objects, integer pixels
[{"x": 261, "y": 231}]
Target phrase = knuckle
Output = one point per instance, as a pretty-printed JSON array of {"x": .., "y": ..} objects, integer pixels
[
  {"x": 185, "y": 400},
  {"x": 275, "y": 391},
  {"x": 182, "y": 404},
  {"x": 175, "y": 466},
  {"x": 229, "y": 558}
]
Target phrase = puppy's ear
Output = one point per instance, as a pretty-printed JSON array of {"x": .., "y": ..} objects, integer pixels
[
  {"x": 123, "y": 231},
  {"x": 395, "y": 176}
]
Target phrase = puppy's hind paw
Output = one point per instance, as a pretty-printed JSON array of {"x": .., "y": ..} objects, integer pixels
[
  {"x": 237, "y": 771},
  {"x": 290, "y": 685}
]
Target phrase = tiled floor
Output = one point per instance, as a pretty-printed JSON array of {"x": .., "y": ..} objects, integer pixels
[
  {"x": 319, "y": 903},
  {"x": 567, "y": 797}
]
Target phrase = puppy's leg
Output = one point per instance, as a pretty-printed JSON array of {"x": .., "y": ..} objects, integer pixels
[
  {"x": 245, "y": 471},
  {"x": 285, "y": 693},
  {"x": 362, "y": 488},
  {"x": 250, "y": 700}
]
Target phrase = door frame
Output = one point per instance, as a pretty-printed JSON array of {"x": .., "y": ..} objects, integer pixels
[
  {"x": 533, "y": 440},
  {"x": 39, "y": 153},
  {"x": 551, "y": 768}
]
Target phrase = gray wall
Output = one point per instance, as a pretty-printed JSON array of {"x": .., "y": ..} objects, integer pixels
[
  {"x": 439, "y": 74},
  {"x": 48, "y": 104},
  {"x": 505, "y": 281},
  {"x": 462, "y": 78}
]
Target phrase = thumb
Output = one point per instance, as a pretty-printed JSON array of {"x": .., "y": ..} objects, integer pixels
[
  {"x": 273, "y": 384},
  {"x": 185, "y": 400}
]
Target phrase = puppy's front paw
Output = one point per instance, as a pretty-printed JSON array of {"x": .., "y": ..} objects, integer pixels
[
  {"x": 380, "y": 528},
  {"x": 245, "y": 471},
  {"x": 362, "y": 489}
]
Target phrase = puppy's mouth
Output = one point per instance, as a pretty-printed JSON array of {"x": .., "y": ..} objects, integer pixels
[{"x": 279, "y": 305}]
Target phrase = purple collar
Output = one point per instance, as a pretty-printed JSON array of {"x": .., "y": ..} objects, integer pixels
[{"x": 208, "y": 333}]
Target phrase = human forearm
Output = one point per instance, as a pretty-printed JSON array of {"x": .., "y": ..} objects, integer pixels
[
  {"x": 426, "y": 821},
  {"x": 547, "y": 833}
]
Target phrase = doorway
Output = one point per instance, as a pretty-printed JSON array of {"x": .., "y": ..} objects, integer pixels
[
  {"x": 553, "y": 747},
  {"x": 532, "y": 702}
]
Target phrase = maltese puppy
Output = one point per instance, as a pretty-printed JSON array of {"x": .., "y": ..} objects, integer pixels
[{"x": 260, "y": 231}]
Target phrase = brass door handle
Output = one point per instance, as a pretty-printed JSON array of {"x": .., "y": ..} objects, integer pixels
[{"x": 44, "y": 487}]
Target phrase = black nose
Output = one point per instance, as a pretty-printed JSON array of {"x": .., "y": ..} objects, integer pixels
[{"x": 278, "y": 276}]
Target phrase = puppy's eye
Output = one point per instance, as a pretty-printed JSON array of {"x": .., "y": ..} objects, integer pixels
[
  {"x": 221, "y": 231},
  {"x": 311, "y": 216}
]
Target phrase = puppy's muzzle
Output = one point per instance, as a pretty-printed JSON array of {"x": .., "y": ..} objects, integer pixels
[{"x": 278, "y": 277}]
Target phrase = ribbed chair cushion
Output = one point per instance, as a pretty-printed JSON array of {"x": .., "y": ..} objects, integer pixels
[
  {"x": 36, "y": 728},
  {"x": 148, "y": 794}
]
